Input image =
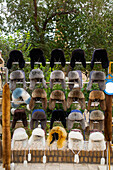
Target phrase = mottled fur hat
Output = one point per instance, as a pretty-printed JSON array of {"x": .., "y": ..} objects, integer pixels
[
  {"x": 96, "y": 115},
  {"x": 37, "y": 55},
  {"x": 57, "y": 76},
  {"x": 57, "y": 95},
  {"x": 62, "y": 134},
  {"x": 38, "y": 94},
  {"x": 78, "y": 55},
  {"x": 97, "y": 77},
  {"x": 97, "y": 95},
  {"x": 57, "y": 55},
  {"x": 75, "y": 77},
  {"x": 76, "y": 95},
  {"x": 17, "y": 76},
  {"x": 75, "y": 115},
  {"x": 100, "y": 55},
  {"x": 36, "y": 75},
  {"x": 19, "y": 114},
  {"x": 38, "y": 115},
  {"x": 15, "y": 56}
]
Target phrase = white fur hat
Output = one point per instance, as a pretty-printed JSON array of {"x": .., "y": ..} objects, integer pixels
[{"x": 20, "y": 135}]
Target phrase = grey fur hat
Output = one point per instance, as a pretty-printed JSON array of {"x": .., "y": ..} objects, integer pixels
[
  {"x": 38, "y": 94},
  {"x": 36, "y": 75},
  {"x": 97, "y": 77},
  {"x": 17, "y": 76},
  {"x": 76, "y": 95},
  {"x": 57, "y": 76},
  {"x": 75, "y": 77},
  {"x": 57, "y": 95},
  {"x": 97, "y": 115},
  {"x": 75, "y": 115}
]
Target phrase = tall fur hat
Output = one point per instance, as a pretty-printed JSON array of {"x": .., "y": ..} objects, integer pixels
[
  {"x": 37, "y": 134},
  {"x": 57, "y": 55},
  {"x": 57, "y": 76},
  {"x": 58, "y": 115},
  {"x": 78, "y": 55},
  {"x": 19, "y": 135},
  {"x": 100, "y": 55},
  {"x": 76, "y": 95},
  {"x": 97, "y": 95},
  {"x": 38, "y": 94},
  {"x": 19, "y": 94},
  {"x": 75, "y": 115},
  {"x": 97, "y": 115},
  {"x": 75, "y": 140},
  {"x": 37, "y": 55},
  {"x": 36, "y": 75},
  {"x": 97, "y": 77},
  {"x": 75, "y": 77},
  {"x": 15, "y": 56},
  {"x": 19, "y": 114},
  {"x": 96, "y": 142},
  {"x": 62, "y": 134},
  {"x": 38, "y": 115},
  {"x": 17, "y": 76},
  {"x": 57, "y": 95}
]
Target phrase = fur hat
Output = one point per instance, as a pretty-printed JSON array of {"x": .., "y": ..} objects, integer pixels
[
  {"x": 17, "y": 76},
  {"x": 75, "y": 140},
  {"x": 36, "y": 75},
  {"x": 58, "y": 115},
  {"x": 62, "y": 134},
  {"x": 97, "y": 115},
  {"x": 57, "y": 55},
  {"x": 76, "y": 95},
  {"x": 38, "y": 115},
  {"x": 19, "y": 114},
  {"x": 15, "y": 56},
  {"x": 97, "y": 77},
  {"x": 37, "y": 134},
  {"x": 19, "y": 135},
  {"x": 78, "y": 55},
  {"x": 96, "y": 142},
  {"x": 75, "y": 77},
  {"x": 38, "y": 94},
  {"x": 57, "y": 95},
  {"x": 100, "y": 55},
  {"x": 57, "y": 76},
  {"x": 97, "y": 95},
  {"x": 19, "y": 94},
  {"x": 75, "y": 115},
  {"x": 37, "y": 55}
]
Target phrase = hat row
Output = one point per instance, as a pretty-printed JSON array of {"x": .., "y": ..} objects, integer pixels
[
  {"x": 57, "y": 55},
  {"x": 57, "y": 76}
]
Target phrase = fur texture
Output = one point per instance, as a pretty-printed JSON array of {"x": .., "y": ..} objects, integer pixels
[
  {"x": 37, "y": 55},
  {"x": 100, "y": 55},
  {"x": 78, "y": 55},
  {"x": 16, "y": 56},
  {"x": 76, "y": 95},
  {"x": 57, "y": 95},
  {"x": 57, "y": 55},
  {"x": 61, "y": 136},
  {"x": 40, "y": 94}
]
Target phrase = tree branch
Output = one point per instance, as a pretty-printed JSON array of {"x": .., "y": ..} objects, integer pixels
[
  {"x": 55, "y": 14},
  {"x": 35, "y": 16}
]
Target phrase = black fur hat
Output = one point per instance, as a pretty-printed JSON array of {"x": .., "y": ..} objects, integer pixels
[
  {"x": 100, "y": 55},
  {"x": 78, "y": 55},
  {"x": 15, "y": 56},
  {"x": 57, "y": 55},
  {"x": 58, "y": 115},
  {"x": 37, "y": 55}
]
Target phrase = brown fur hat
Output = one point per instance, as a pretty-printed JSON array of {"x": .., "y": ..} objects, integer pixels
[
  {"x": 62, "y": 134},
  {"x": 57, "y": 76},
  {"x": 97, "y": 95},
  {"x": 76, "y": 95},
  {"x": 57, "y": 95},
  {"x": 97, "y": 115},
  {"x": 38, "y": 94}
]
